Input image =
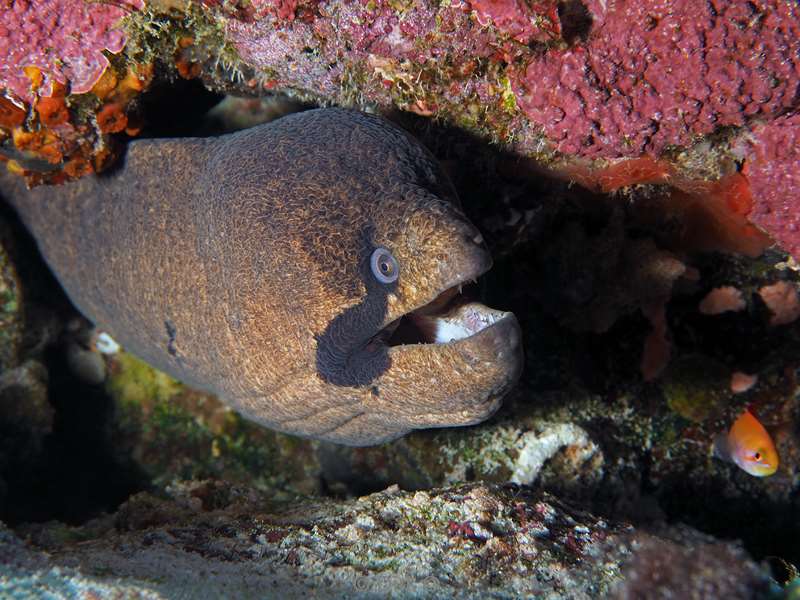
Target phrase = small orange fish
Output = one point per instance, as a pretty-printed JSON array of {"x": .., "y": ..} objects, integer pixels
[{"x": 749, "y": 446}]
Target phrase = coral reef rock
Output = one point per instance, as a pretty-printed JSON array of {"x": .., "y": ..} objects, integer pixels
[
  {"x": 588, "y": 82},
  {"x": 465, "y": 541}
]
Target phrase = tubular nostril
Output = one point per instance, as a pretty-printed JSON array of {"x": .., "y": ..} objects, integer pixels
[{"x": 473, "y": 236}]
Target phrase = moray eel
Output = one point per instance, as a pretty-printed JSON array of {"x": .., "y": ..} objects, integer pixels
[{"x": 276, "y": 268}]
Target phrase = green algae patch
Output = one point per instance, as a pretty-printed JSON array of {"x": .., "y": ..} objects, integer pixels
[
  {"x": 160, "y": 31},
  {"x": 489, "y": 454},
  {"x": 133, "y": 382},
  {"x": 519, "y": 446},
  {"x": 173, "y": 431},
  {"x": 696, "y": 387},
  {"x": 509, "y": 98}
]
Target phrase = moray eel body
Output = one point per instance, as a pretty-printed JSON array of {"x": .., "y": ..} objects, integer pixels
[{"x": 245, "y": 265}]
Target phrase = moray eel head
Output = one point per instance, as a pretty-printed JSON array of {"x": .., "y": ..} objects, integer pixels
[
  {"x": 354, "y": 284},
  {"x": 405, "y": 340},
  {"x": 429, "y": 356},
  {"x": 450, "y": 359}
]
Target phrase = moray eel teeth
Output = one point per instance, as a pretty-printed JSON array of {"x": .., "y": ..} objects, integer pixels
[
  {"x": 448, "y": 318},
  {"x": 466, "y": 321}
]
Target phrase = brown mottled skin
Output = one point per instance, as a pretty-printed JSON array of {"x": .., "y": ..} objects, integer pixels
[{"x": 240, "y": 264}]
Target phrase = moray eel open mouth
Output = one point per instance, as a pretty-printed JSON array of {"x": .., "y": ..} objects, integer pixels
[{"x": 450, "y": 317}]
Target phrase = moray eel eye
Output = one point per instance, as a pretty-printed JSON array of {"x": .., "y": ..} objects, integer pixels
[{"x": 384, "y": 266}]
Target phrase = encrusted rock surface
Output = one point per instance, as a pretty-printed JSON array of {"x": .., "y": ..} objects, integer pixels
[
  {"x": 26, "y": 573},
  {"x": 469, "y": 541},
  {"x": 775, "y": 179},
  {"x": 64, "y": 40},
  {"x": 569, "y": 83},
  {"x": 655, "y": 74}
]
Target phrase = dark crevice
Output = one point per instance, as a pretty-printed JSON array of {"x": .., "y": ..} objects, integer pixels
[
  {"x": 576, "y": 21},
  {"x": 79, "y": 469}
]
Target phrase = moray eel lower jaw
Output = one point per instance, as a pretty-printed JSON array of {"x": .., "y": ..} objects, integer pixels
[
  {"x": 465, "y": 321},
  {"x": 466, "y": 358}
]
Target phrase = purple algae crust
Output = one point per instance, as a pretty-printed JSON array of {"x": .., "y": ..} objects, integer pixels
[
  {"x": 654, "y": 74},
  {"x": 318, "y": 50},
  {"x": 432, "y": 58},
  {"x": 773, "y": 170},
  {"x": 599, "y": 80},
  {"x": 522, "y": 21},
  {"x": 65, "y": 39}
]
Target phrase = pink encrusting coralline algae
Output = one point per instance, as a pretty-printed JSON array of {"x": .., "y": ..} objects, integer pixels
[
  {"x": 64, "y": 39},
  {"x": 521, "y": 20},
  {"x": 655, "y": 73},
  {"x": 320, "y": 46},
  {"x": 772, "y": 167}
]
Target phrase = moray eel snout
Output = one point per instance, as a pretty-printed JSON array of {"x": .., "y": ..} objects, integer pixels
[{"x": 307, "y": 271}]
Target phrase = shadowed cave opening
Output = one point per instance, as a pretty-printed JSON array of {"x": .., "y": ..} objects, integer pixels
[
  {"x": 78, "y": 469},
  {"x": 82, "y": 470},
  {"x": 576, "y": 20}
]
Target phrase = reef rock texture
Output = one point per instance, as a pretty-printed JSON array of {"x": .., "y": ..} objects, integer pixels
[
  {"x": 639, "y": 76},
  {"x": 564, "y": 82},
  {"x": 774, "y": 176},
  {"x": 461, "y": 542},
  {"x": 656, "y": 74},
  {"x": 27, "y": 573}
]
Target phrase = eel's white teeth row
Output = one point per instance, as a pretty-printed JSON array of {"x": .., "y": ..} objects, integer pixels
[{"x": 465, "y": 321}]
